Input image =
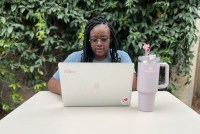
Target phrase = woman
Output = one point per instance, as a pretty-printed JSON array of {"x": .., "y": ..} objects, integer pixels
[{"x": 99, "y": 45}]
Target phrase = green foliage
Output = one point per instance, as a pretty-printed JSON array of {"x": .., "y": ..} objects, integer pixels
[{"x": 36, "y": 33}]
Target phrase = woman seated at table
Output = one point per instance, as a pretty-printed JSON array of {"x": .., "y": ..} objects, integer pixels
[{"x": 99, "y": 45}]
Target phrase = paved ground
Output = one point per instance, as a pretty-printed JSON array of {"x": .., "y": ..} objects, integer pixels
[
  {"x": 2, "y": 114},
  {"x": 196, "y": 104}
]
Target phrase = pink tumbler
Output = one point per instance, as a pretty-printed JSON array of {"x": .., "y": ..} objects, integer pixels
[{"x": 148, "y": 81}]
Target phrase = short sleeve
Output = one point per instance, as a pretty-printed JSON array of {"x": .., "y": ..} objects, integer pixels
[
  {"x": 125, "y": 58},
  {"x": 56, "y": 75},
  {"x": 74, "y": 57}
]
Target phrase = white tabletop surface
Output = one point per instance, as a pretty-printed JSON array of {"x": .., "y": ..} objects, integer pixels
[{"x": 45, "y": 114}]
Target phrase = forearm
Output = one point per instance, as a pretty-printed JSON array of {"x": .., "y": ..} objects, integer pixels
[
  {"x": 134, "y": 84},
  {"x": 54, "y": 86}
]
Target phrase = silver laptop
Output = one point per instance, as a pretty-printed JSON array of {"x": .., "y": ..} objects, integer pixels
[{"x": 96, "y": 84}]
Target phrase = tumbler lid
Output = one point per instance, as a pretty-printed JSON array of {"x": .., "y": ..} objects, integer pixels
[{"x": 149, "y": 59}]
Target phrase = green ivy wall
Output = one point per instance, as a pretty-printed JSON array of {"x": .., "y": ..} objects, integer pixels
[{"x": 36, "y": 34}]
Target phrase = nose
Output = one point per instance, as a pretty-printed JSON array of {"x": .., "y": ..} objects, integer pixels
[{"x": 99, "y": 42}]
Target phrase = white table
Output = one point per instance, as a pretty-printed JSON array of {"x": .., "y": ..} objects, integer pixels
[{"x": 45, "y": 114}]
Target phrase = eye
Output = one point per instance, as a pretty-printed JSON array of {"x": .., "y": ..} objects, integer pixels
[
  {"x": 93, "y": 39},
  {"x": 104, "y": 39}
]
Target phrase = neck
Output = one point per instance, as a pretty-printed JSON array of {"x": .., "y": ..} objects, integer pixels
[{"x": 100, "y": 58}]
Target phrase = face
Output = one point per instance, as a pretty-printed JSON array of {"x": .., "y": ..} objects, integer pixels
[{"x": 100, "y": 41}]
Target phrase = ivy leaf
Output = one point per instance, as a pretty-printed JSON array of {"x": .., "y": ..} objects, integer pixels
[
  {"x": 3, "y": 20},
  {"x": 10, "y": 29},
  {"x": 14, "y": 86},
  {"x": 40, "y": 72},
  {"x": 14, "y": 97},
  {"x": 3, "y": 31},
  {"x": 18, "y": 26},
  {"x": 52, "y": 59},
  {"x": 60, "y": 16},
  {"x": 38, "y": 87},
  {"x": 22, "y": 10},
  {"x": 13, "y": 7},
  {"x": 31, "y": 35},
  {"x": 5, "y": 106},
  {"x": 31, "y": 69}
]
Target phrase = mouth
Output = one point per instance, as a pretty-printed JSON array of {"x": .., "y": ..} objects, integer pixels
[{"x": 99, "y": 50}]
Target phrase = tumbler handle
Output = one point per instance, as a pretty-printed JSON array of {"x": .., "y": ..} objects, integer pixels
[{"x": 166, "y": 76}]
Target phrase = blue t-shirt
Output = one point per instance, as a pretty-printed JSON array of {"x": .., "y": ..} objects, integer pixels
[{"x": 76, "y": 57}]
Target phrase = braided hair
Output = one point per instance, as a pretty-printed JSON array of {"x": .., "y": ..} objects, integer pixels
[{"x": 87, "y": 55}]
